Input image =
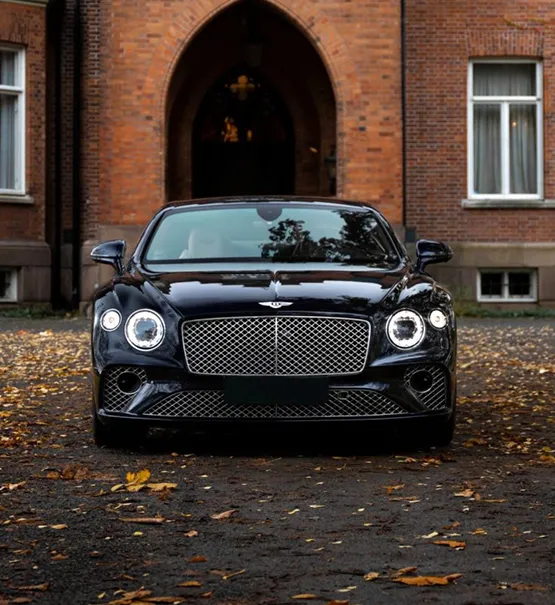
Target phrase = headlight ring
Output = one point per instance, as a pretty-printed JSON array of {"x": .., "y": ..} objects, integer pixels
[
  {"x": 438, "y": 319},
  {"x": 145, "y": 330},
  {"x": 405, "y": 329},
  {"x": 110, "y": 320}
]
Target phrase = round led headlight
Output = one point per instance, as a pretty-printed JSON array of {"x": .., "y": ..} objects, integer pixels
[
  {"x": 145, "y": 330},
  {"x": 405, "y": 329},
  {"x": 438, "y": 319},
  {"x": 110, "y": 320}
]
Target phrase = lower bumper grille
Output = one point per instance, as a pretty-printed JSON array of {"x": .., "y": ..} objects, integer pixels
[
  {"x": 436, "y": 396},
  {"x": 342, "y": 403}
]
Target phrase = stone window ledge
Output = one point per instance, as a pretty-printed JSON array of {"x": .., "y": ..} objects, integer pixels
[
  {"x": 16, "y": 198},
  {"x": 508, "y": 204}
]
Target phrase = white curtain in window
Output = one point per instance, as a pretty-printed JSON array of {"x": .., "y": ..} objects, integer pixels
[
  {"x": 523, "y": 149},
  {"x": 7, "y": 141},
  {"x": 487, "y": 148},
  {"x": 8, "y": 105},
  {"x": 505, "y": 80}
]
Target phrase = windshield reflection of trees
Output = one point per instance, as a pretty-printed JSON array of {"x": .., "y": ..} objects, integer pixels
[{"x": 360, "y": 240}]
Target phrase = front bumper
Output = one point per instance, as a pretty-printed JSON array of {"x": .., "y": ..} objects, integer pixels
[{"x": 164, "y": 396}]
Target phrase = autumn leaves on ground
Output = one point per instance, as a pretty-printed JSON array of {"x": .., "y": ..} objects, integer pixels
[{"x": 282, "y": 518}]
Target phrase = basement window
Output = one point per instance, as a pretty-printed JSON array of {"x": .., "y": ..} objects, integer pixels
[
  {"x": 8, "y": 285},
  {"x": 507, "y": 285}
]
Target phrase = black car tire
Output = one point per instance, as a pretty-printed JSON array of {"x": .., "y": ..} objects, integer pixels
[
  {"x": 439, "y": 434},
  {"x": 112, "y": 437}
]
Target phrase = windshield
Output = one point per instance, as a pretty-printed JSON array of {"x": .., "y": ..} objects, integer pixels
[{"x": 270, "y": 232}]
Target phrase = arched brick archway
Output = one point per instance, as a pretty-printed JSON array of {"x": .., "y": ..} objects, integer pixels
[{"x": 306, "y": 17}]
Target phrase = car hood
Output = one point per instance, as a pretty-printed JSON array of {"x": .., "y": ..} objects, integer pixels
[{"x": 312, "y": 288}]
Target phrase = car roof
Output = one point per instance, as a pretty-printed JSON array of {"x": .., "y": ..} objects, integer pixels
[{"x": 267, "y": 198}]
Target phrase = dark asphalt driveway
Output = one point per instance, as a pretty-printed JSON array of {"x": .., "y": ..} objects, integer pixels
[{"x": 313, "y": 512}]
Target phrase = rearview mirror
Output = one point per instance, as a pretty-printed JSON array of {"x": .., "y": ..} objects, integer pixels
[
  {"x": 429, "y": 251},
  {"x": 110, "y": 253}
]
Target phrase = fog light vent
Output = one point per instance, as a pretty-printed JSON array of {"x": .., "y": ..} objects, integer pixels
[
  {"x": 429, "y": 384},
  {"x": 120, "y": 385},
  {"x": 421, "y": 381}
]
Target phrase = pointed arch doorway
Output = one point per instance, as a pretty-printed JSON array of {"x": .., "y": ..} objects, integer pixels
[
  {"x": 250, "y": 109},
  {"x": 243, "y": 139}
]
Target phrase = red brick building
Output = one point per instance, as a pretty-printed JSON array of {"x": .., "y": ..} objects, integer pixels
[{"x": 437, "y": 113}]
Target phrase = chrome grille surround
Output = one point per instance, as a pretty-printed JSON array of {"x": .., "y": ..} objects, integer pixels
[
  {"x": 282, "y": 345},
  {"x": 435, "y": 398},
  {"x": 211, "y": 405},
  {"x": 114, "y": 399}
]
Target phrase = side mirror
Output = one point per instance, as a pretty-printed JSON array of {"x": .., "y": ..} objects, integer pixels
[
  {"x": 429, "y": 251},
  {"x": 110, "y": 253}
]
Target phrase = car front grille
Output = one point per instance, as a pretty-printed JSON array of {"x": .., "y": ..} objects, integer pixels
[
  {"x": 436, "y": 397},
  {"x": 114, "y": 399},
  {"x": 276, "y": 346},
  {"x": 211, "y": 405}
]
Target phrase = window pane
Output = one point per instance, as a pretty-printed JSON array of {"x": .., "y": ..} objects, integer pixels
[
  {"x": 492, "y": 283},
  {"x": 487, "y": 148},
  {"x": 498, "y": 79},
  {"x": 7, "y": 141},
  {"x": 8, "y": 68},
  {"x": 520, "y": 284},
  {"x": 523, "y": 131}
]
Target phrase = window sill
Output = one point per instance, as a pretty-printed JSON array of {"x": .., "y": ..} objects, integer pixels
[
  {"x": 16, "y": 198},
  {"x": 507, "y": 300},
  {"x": 508, "y": 203}
]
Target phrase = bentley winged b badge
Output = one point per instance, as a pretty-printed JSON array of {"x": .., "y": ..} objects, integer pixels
[{"x": 275, "y": 304}]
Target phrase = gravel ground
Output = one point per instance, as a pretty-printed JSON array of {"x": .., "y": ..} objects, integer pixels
[{"x": 331, "y": 518}]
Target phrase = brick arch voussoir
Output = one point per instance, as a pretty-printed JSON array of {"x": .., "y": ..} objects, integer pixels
[{"x": 306, "y": 16}]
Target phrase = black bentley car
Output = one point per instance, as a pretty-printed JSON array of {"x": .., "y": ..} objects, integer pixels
[{"x": 271, "y": 310}]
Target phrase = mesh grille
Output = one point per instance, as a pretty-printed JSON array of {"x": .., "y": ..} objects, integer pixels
[
  {"x": 436, "y": 397},
  {"x": 115, "y": 399},
  {"x": 342, "y": 403},
  {"x": 280, "y": 346}
]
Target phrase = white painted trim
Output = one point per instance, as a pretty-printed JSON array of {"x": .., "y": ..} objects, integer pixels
[
  {"x": 505, "y": 298},
  {"x": 504, "y": 102},
  {"x": 41, "y": 3},
  {"x": 507, "y": 202},
  {"x": 15, "y": 198},
  {"x": 18, "y": 91}
]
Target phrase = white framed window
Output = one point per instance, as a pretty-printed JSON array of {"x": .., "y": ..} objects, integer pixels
[
  {"x": 507, "y": 285},
  {"x": 8, "y": 285},
  {"x": 12, "y": 119},
  {"x": 505, "y": 129}
]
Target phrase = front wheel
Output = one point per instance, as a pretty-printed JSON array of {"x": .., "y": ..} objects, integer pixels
[
  {"x": 439, "y": 433},
  {"x": 112, "y": 437}
]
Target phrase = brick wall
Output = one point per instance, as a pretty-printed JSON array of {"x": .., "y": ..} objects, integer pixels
[
  {"x": 442, "y": 37},
  {"x": 141, "y": 45},
  {"x": 25, "y": 25}
]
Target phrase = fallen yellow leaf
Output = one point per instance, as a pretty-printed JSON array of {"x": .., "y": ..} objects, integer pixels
[
  {"x": 147, "y": 520},
  {"x": 347, "y": 589},
  {"x": 371, "y": 575},
  {"x": 451, "y": 544},
  {"x": 305, "y": 596},
  {"x": 39, "y": 587},
  {"x": 225, "y": 515},
  {"x": 428, "y": 580},
  {"x": 232, "y": 575},
  {"x": 160, "y": 487},
  {"x": 137, "y": 478}
]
